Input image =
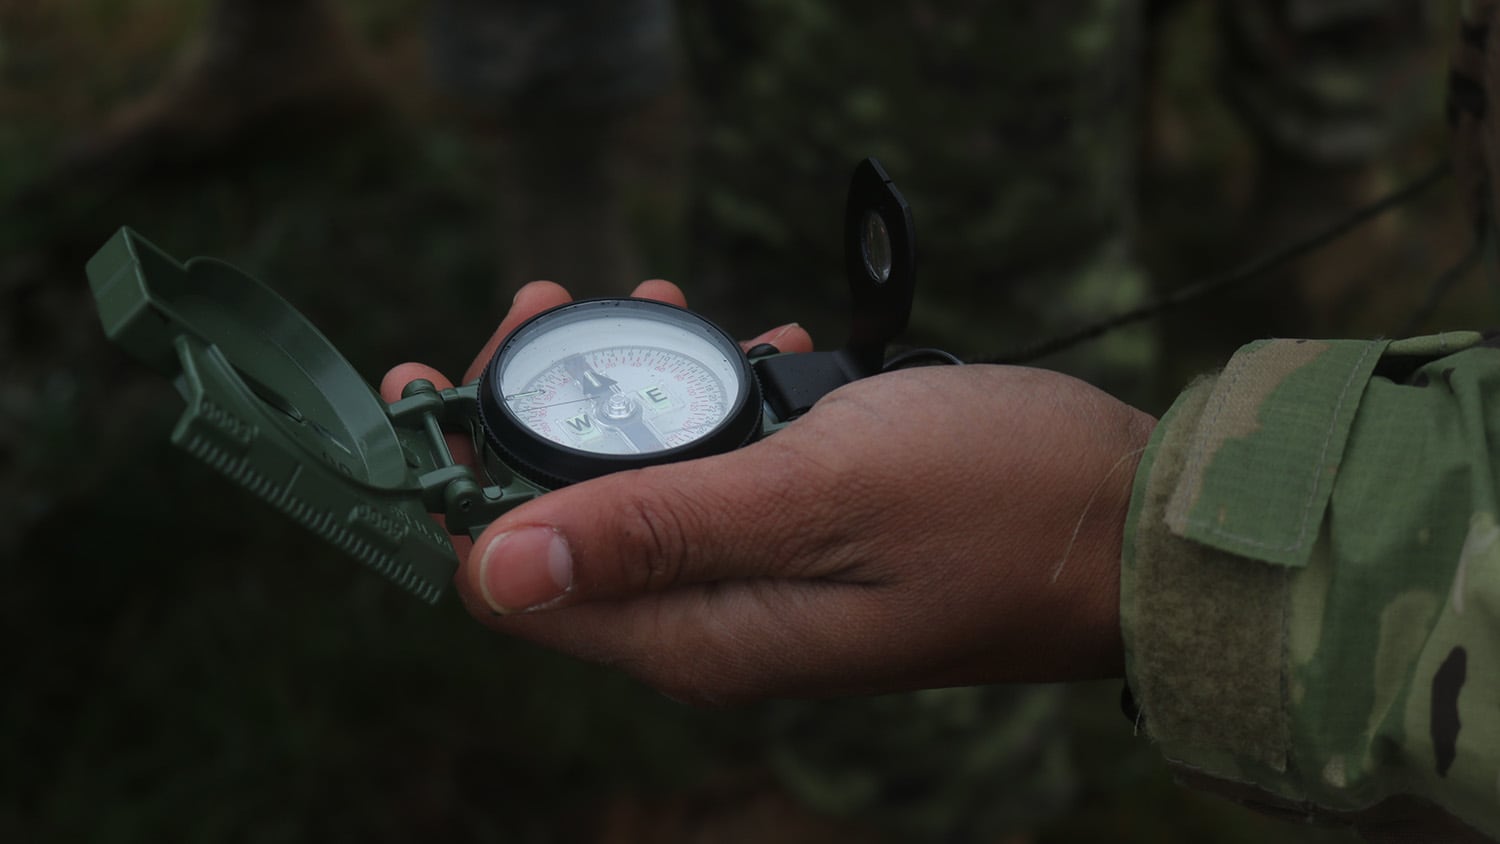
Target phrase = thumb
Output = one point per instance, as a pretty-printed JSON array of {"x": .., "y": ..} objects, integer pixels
[{"x": 751, "y": 513}]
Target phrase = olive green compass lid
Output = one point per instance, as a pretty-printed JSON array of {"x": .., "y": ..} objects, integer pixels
[{"x": 273, "y": 406}]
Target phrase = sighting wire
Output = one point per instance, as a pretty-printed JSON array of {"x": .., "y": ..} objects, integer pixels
[{"x": 1247, "y": 271}]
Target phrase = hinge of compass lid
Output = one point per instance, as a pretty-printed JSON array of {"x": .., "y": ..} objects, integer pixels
[{"x": 422, "y": 417}]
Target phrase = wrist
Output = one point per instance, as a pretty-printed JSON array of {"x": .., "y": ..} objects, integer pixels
[{"x": 1094, "y": 585}]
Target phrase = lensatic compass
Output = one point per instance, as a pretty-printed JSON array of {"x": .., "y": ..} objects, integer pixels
[{"x": 576, "y": 392}]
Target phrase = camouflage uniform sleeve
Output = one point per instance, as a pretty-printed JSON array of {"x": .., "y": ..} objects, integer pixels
[{"x": 1310, "y": 584}]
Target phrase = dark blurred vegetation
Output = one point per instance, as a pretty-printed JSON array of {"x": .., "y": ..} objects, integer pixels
[{"x": 185, "y": 666}]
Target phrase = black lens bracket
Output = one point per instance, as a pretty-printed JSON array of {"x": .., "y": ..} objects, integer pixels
[{"x": 880, "y": 263}]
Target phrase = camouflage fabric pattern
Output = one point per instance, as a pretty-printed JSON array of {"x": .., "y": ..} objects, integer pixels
[{"x": 1311, "y": 583}]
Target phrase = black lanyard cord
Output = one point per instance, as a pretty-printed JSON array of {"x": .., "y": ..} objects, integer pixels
[{"x": 1253, "y": 269}]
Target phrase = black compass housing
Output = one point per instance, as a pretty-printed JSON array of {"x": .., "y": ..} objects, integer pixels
[{"x": 553, "y": 464}]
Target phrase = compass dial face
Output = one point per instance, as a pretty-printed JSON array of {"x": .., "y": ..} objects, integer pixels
[
  {"x": 624, "y": 399},
  {"x": 618, "y": 378}
]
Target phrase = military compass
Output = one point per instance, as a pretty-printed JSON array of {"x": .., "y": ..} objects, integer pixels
[{"x": 576, "y": 392}]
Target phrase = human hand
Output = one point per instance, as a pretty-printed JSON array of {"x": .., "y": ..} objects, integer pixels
[{"x": 927, "y": 527}]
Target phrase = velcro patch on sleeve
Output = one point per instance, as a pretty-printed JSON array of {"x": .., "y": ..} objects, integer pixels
[{"x": 1260, "y": 466}]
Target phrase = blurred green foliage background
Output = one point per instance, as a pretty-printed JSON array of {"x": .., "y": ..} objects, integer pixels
[{"x": 184, "y": 666}]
